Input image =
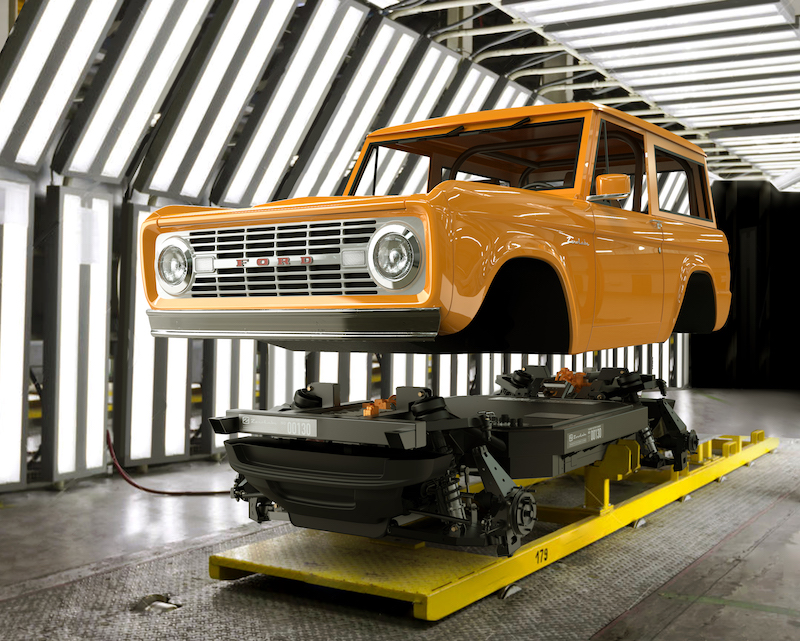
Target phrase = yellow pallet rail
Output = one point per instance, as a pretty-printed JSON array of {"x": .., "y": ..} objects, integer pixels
[{"x": 440, "y": 582}]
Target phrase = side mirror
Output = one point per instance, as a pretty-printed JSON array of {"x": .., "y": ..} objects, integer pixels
[{"x": 611, "y": 187}]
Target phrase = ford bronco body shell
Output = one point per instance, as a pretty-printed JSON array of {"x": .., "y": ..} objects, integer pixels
[{"x": 490, "y": 231}]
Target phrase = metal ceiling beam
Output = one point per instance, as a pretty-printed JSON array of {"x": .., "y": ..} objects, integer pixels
[
  {"x": 435, "y": 6},
  {"x": 483, "y": 31},
  {"x": 546, "y": 71},
  {"x": 596, "y": 84},
  {"x": 519, "y": 51}
]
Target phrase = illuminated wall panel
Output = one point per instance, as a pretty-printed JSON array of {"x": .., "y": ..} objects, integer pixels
[
  {"x": 75, "y": 407},
  {"x": 282, "y": 115},
  {"x": 42, "y": 66},
  {"x": 16, "y": 227},
  {"x": 143, "y": 58},
  {"x": 211, "y": 97},
  {"x": 360, "y": 95},
  {"x": 152, "y": 386}
]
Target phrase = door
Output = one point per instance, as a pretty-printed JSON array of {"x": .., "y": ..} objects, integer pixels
[{"x": 629, "y": 264}]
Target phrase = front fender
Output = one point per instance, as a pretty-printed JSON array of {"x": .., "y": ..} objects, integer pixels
[{"x": 488, "y": 229}]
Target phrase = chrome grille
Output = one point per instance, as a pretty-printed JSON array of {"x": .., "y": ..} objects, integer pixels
[{"x": 322, "y": 241}]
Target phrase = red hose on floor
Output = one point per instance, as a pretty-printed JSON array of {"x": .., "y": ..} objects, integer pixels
[{"x": 128, "y": 479}]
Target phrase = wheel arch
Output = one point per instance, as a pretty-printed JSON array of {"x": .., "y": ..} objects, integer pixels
[
  {"x": 513, "y": 318},
  {"x": 697, "y": 309}
]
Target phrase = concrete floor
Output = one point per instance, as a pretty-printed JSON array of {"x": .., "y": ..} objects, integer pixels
[
  {"x": 747, "y": 584},
  {"x": 746, "y": 587},
  {"x": 103, "y": 518}
]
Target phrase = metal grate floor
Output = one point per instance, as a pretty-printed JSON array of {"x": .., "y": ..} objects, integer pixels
[{"x": 571, "y": 599}]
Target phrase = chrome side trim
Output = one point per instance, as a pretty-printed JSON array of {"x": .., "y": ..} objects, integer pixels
[{"x": 298, "y": 324}]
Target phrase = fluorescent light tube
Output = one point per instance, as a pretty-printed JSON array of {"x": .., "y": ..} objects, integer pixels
[
  {"x": 486, "y": 373},
  {"x": 277, "y": 375},
  {"x": 328, "y": 367},
  {"x": 14, "y": 212},
  {"x": 745, "y": 118},
  {"x": 445, "y": 374},
  {"x": 68, "y": 335},
  {"x": 462, "y": 374},
  {"x": 177, "y": 389},
  {"x": 748, "y": 108},
  {"x": 247, "y": 374},
  {"x": 545, "y": 13},
  {"x": 314, "y": 92},
  {"x": 712, "y": 106},
  {"x": 142, "y": 369},
  {"x": 399, "y": 367},
  {"x": 197, "y": 107},
  {"x": 271, "y": 29},
  {"x": 298, "y": 374},
  {"x": 289, "y": 85},
  {"x": 681, "y": 26},
  {"x": 710, "y": 71},
  {"x": 420, "y": 373},
  {"x": 97, "y": 132},
  {"x": 694, "y": 50},
  {"x": 99, "y": 217},
  {"x": 222, "y": 382},
  {"x": 64, "y": 81},
  {"x": 724, "y": 89},
  {"x": 30, "y": 65},
  {"x": 359, "y": 383},
  {"x": 155, "y": 87},
  {"x": 789, "y": 179}
]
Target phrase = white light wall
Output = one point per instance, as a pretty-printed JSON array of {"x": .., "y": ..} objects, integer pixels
[
  {"x": 75, "y": 408},
  {"x": 15, "y": 254},
  {"x": 277, "y": 126}
]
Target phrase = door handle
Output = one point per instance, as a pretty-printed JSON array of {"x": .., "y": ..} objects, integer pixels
[{"x": 657, "y": 223}]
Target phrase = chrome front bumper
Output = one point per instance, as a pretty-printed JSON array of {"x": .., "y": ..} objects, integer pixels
[{"x": 298, "y": 324}]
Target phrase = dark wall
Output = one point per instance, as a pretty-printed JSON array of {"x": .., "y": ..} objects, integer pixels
[{"x": 760, "y": 344}]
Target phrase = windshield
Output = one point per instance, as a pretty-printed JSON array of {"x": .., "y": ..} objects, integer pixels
[{"x": 534, "y": 156}]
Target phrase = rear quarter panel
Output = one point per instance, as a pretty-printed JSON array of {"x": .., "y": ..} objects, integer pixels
[{"x": 690, "y": 245}]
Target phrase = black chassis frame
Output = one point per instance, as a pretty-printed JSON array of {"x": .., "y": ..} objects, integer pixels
[{"x": 405, "y": 470}]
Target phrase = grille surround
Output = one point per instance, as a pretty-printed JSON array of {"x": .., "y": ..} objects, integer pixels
[
  {"x": 323, "y": 241},
  {"x": 312, "y": 249}
]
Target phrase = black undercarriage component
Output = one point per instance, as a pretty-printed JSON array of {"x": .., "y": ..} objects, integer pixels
[{"x": 410, "y": 471}]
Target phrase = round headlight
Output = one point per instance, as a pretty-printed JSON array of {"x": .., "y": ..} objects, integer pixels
[
  {"x": 394, "y": 256},
  {"x": 174, "y": 266}
]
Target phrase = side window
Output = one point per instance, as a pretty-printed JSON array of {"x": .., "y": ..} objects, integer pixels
[
  {"x": 681, "y": 185},
  {"x": 621, "y": 151}
]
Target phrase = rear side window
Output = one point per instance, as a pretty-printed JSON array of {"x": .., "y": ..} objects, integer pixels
[{"x": 681, "y": 185}]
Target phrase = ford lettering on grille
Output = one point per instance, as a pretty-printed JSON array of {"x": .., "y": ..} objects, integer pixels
[{"x": 287, "y": 259}]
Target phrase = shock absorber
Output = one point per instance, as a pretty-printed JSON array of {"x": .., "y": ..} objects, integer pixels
[
  {"x": 451, "y": 496},
  {"x": 649, "y": 441},
  {"x": 651, "y": 457}
]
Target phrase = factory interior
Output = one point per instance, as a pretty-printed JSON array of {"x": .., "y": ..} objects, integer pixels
[{"x": 135, "y": 408}]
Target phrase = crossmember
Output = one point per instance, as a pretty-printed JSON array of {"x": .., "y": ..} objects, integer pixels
[{"x": 440, "y": 582}]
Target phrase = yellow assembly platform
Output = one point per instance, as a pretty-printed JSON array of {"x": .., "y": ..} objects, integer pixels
[{"x": 441, "y": 581}]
